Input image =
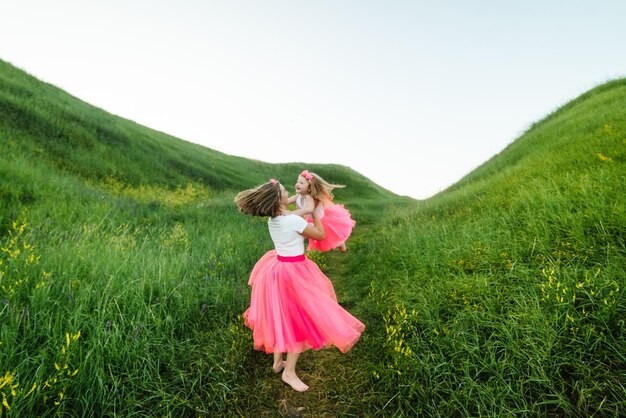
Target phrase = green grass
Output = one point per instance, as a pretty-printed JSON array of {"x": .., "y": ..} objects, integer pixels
[
  {"x": 501, "y": 296},
  {"x": 512, "y": 280}
]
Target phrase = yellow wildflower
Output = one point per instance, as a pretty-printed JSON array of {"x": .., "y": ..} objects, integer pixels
[
  {"x": 6, "y": 379},
  {"x": 32, "y": 389}
]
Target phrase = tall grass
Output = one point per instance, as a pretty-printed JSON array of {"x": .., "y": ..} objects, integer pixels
[
  {"x": 144, "y": 290},
  {"x": 505, "y": 295}
]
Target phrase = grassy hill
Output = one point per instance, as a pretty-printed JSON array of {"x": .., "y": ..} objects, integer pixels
[
  {"x": 505, "y": 294},
  {"x": 44, "y": 125},
  {"x": 124, "y": 263}
]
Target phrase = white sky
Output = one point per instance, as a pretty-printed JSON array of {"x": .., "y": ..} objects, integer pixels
[{"x": 412, "y": 94}]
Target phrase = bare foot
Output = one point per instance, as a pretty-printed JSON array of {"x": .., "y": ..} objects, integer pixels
[
  {"x": 295, "y": 382},
  {"x": 343, "y": 248},
  {"x": 277, "y": 368}
]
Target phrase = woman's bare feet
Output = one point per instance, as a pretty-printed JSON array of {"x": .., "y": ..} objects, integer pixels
[
  {"x": 294, "y": 381},
  {"x": 278, "y": 367}
]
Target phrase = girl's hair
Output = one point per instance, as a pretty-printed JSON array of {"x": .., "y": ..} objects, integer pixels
[
  {"x": 319, "y": 188},
  {"x": 263, "y": 200}
]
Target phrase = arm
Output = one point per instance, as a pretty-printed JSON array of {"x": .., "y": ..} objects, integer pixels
[
  {"x": 315, "y": 231},
  {"x": 309, "y": 206},
  {"x": 292, "y": 199}
]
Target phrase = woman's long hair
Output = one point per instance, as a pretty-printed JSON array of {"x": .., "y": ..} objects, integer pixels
[{"x": 263, "y": 200}]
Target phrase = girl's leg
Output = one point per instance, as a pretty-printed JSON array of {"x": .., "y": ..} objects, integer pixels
[
  {"x": 342, "y": 247},
  {"x": 279, "y": 363},
  {"x": 289, "y": 374}
]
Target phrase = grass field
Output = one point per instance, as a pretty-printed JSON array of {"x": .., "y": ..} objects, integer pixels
[{"x": 124, "y": 266}]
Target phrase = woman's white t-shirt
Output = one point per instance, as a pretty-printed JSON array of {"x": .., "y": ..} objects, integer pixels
[{"x": 285, "y": 231}]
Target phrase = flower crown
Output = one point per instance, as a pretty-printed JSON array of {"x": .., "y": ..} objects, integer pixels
[{"x": 306, "y": 175}]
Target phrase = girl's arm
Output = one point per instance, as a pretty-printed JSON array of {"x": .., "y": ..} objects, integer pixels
[
  {"x": 315, "y": 230},
  {"x": 292, "y": 199},
  {"x": 309, "y": 206}
]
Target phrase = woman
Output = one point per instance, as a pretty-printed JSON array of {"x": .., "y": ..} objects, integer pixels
[{"x": 293, "y": 306}]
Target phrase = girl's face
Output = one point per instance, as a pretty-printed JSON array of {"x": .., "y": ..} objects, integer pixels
[{"x": 302, "y": 186}]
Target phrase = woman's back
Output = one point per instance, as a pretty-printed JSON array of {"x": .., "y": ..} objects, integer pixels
[{"x": 285, "y": 231}]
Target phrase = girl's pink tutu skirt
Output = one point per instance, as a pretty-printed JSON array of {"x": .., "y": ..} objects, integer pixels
[
  {"x": 293, "y": 307},
  {"x": 337, "y": 227}
]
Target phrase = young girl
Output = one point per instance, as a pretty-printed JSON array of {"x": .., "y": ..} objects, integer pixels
[
  {"x": 312, "y": 191},
  {"x": 293, "y": 306}
]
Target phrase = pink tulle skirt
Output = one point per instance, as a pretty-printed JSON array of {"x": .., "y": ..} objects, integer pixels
[
  {"x": 293, "y": 308},
  {"x": 337, "y": 227}
]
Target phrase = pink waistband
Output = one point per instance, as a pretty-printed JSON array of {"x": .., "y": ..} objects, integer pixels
[{"x": 293, "y": 259}]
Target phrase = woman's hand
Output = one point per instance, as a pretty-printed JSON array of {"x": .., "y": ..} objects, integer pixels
[{"x": 315, "y": 230}]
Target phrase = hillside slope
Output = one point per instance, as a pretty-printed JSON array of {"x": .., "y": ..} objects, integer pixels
[
  {"x": 505, "y": 295},
  {"x": 569, "y": 139},
  {"x": 43, "y": 123}
]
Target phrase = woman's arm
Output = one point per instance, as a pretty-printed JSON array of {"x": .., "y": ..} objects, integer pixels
[{"x": 315, "y": 231}]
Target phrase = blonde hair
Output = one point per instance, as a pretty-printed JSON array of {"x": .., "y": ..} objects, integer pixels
[
  {"x": 319, "y": 188},
  {"x": 263, "y": 200}
]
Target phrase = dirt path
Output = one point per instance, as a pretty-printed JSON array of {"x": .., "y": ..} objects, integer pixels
[{"x": 336, "y": 383}]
